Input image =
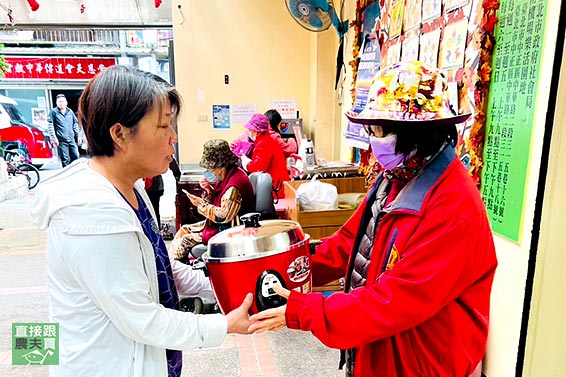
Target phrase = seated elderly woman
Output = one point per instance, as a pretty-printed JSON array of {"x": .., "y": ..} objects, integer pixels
[{"x": 228, "y": 194}]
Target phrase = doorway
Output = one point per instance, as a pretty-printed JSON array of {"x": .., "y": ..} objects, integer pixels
[{"x": 72, "y": 97}]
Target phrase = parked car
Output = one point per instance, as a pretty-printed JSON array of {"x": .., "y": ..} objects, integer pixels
[{"x": 15, "y": 131}]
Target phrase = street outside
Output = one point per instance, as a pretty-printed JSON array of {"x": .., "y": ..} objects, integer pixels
[{"x": 23, "y": 299}]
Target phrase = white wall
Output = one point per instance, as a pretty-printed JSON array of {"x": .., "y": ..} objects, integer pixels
[
  {"x": 546, "y": 339},
  {"x": 266, "y": 54}
]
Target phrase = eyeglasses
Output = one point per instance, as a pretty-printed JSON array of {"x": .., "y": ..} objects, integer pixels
[{"x": 373, "y": 130}]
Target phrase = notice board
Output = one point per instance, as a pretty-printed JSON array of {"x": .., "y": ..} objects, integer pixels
[{"x": 511, "y": 110}]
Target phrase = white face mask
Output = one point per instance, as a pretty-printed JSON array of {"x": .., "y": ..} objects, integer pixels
[{"x": 383, "y": 149}]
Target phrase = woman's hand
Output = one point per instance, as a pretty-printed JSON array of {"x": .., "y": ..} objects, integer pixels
[
  {"x": 204, "y": 183},
  {"x": 271, "y": 319},
  {"x": 239, "y": 319},
  {"x": 195, "y": 200},
  {"x": 245, "y": 161}
]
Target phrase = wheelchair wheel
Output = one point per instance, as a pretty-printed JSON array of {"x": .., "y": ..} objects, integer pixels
[{"x": 191, "y": 305}]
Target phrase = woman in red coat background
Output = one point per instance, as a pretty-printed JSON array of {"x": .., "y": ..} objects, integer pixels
[{"x": 267, "y": 156}]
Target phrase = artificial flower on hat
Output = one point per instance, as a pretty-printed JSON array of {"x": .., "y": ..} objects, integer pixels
[{"x": 408, "y": 92}]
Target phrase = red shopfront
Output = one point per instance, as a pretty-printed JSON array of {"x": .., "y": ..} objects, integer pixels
[{"x": 34, "y": 82}]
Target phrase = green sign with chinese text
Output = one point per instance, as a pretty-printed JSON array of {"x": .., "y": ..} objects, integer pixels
[{"x": 511, "y": 110}]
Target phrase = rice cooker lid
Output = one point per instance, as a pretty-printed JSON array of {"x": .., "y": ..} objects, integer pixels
[{"x": 254, "y": 239}]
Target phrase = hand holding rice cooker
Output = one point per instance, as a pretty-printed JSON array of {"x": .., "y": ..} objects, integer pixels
[{"x": 255, "y": 256}]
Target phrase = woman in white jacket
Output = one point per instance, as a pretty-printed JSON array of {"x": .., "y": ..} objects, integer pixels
[{"x": 112, "y": 288}]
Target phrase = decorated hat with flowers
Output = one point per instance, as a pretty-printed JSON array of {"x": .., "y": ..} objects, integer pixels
[{"x": 408, "y": 92}]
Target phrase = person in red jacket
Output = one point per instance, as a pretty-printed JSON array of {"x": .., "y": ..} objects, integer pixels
[
  {"x": 242, "y": 145},
  {"x": 267, "y": 156},
  {"x": 418, "y": 254},
  {"x": 288, "y": 146}
]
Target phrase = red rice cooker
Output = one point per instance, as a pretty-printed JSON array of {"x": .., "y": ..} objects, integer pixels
[{"x": 255, "y": 256}]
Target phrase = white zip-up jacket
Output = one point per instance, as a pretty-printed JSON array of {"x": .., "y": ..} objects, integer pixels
[{"x": 102, "y": 282}]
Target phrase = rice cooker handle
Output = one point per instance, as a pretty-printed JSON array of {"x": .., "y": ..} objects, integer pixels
[{"x": 251, "y": 220}]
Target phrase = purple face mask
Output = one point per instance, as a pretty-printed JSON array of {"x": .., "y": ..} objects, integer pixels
[{"x": 383, "y": 149}]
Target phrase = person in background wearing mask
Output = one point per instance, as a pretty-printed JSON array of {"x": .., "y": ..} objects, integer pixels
[
  {"x": 418, "y": 254},
  {"x": 228, "y": 194},
  {"x": 267, "y": 157},
  {"x": 64, "y": 131},
  {"x": 243, "y": 145}
]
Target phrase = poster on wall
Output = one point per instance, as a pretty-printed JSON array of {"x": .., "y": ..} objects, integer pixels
[
  {"x": 367, "y": 70},
  {"x": 511, "y": 111},
  {"x": 412, "y": 14},
  {"x": 39, "y": 116},
  {"x": 221, "y": 117},
  {"x": 41, "y": 101},
  {"x": 429, "y": 47},
  {"x": 453, "y": 45},
  {"x": 396, "y": 25},
  {"x": 410, "y": 49},
  {"x": 242, "y": 113},
  {"x": 287, "y": 107},
  {"x": 432, "y": 9}
]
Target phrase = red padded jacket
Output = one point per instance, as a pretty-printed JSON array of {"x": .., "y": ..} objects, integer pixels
[
  {"x": 268, "y": 157},
  {"x": 425, "y": 307}
]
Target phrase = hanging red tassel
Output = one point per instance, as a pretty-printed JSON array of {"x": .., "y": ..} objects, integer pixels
[
  {"x": 157, "y": 3},
  {"x": 11, "y": 16},
  {"x": 34, "y": 5}
]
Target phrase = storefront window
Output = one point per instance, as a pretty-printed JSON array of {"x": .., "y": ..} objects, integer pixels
[{"x": 31, "y": 102}]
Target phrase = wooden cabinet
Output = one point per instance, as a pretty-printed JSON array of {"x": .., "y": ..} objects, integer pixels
[{"x": 319, "y": 224}]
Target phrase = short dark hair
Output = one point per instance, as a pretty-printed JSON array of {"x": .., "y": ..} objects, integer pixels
[
  {"x": 124, "y": 95},
  {"x": 426, "y": 140},
  {"x": 60, "y": 96},
  {"x": 274, "y": 119}
]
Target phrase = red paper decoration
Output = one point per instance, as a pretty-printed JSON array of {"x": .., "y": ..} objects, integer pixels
[
  {"x": 34, "y": 5},
  {"x": 11, "y": 16},
  {"x": 157, "y": 3}
]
